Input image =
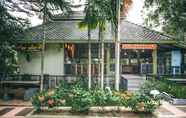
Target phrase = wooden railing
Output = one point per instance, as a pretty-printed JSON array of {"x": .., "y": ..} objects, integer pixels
[
  {"x": 51, "y": 81},
  {"x": 181, "y": 78}
]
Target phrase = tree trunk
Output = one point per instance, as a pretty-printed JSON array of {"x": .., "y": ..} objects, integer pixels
[
  {"x": 89, "y": 59},
  {"x": 101, "y": 56},
  {"x": 99, "y": 63},
  {"x": 117, "y": 48},
  {"x": 43, "y": 51},
  {"x": 102, "y": 59}
]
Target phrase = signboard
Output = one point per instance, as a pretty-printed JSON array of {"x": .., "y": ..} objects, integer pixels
[
  {"x": 139, "y": 46},
  {"x": 29, "y": 47},
  {"x": 176, "y": 58},
  {"x": 176, "y": 61}
]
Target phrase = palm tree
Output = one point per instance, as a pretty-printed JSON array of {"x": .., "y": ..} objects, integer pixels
[
  {"x": 121, "y": 9},
  {"x": 95, "y": 17},
  {"x": 48, "y": 7},
  {"x": 99, "y": 12}
]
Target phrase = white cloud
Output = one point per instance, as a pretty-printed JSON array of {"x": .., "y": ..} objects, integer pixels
[{"x": 135, "y": 13}]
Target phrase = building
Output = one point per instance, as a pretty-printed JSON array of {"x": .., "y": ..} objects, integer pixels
[{"x": 143, "y": 51}]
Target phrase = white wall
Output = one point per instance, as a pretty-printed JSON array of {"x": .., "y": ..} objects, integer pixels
[{"x": 53, "y": 62}]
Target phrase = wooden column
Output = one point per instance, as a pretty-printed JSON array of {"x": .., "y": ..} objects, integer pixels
[
  {"x": 108, "y": 61},
  {"x": 138, "y": 60},
  {"x": 108, "y": 65},
  {"x": 155, "y": 61}
]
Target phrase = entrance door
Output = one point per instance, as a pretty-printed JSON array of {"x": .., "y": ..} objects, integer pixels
[{"x": 136, "y": 55}]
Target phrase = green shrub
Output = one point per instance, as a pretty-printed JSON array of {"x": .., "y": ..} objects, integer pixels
[
  {"x": 164, "y": 86},
  {"x": 105, "y": 98},
  {"x": 81, "y": 99},
  {"x": 143, "y": 103}
]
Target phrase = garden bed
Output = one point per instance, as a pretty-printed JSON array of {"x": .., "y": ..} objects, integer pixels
[
  {"x": 77, "y": 99},
  {"x": 97, "y": 111}
]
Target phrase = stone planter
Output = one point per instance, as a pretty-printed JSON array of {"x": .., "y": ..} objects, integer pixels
[
  {"x": 96, "y": 109},
  {"x": 64, "y": 109},
  {"x": 110, "y": 108},
  {"x": 91, "y": 109},
  {"x": 50, "y": 113}
]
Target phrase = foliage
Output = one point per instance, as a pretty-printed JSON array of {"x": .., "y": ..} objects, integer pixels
[
  {"x": 105, "y": 98},
  {"x": 164, "y": 86},
  {"x": 98, "y": 12},
  {"x": 31, "y": 7},
  {"x": 48, "y": 98},
  {"x": 81, "y": 99},
  {"x": 10, "y": 29},
  {"x": 170, "y": 14},
  {"x": 143, "y": 103}
]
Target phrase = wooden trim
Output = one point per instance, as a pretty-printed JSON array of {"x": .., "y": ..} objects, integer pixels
[
  {"x": 138, "y": 46},
  {"x": 96, "y": 41}
]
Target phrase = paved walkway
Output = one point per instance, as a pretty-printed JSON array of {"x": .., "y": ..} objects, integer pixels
[
  {"x": 14, "y": 112},
  {"x": 166, "y": 110},
  {"x": 15, "y": 103}
]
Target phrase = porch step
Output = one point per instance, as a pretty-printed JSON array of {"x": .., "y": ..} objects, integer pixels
[{"x": 134, "y": 81}]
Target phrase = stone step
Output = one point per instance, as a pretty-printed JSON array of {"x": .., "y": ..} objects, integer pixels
[
  {"x": 134, "y": 84},
  {"x": 133, "y": 89}
]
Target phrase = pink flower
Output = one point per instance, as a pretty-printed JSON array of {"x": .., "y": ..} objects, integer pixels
[{"x": 50, "y": 102}]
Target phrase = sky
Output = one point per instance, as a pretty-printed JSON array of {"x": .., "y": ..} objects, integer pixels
[{"x": 134, "y": 15}]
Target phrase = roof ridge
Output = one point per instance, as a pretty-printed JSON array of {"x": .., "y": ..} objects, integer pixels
[
  {"x": 68, "y": 26},
  {"x": 161, "y": 33}
]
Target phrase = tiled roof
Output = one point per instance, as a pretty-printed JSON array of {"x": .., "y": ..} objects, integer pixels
[{"x": 68, "y": 30}]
